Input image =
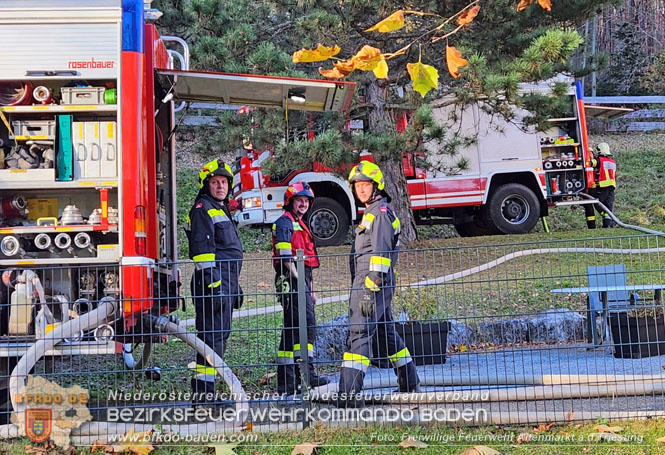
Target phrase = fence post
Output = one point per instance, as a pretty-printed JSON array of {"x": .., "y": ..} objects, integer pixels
[{"x": 302, "y": 329}]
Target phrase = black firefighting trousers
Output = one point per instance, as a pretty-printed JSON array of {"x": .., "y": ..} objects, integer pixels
[
  {"x": 214, "y": 310},
  {"x": 378, "y": 324}
]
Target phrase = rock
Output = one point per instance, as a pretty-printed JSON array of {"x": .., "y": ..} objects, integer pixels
[
  {"x": 558, "y": 325},
  {"x": 330, "y": 342},
  {"x": 460, "y": 333}
]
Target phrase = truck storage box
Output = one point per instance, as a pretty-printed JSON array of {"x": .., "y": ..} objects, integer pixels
[
  {"x": 95, "y": 149},
  {"x": 27, "y": 175},
  {"x": 82, "y": 95},
  {"x": 39, "y": 130}
]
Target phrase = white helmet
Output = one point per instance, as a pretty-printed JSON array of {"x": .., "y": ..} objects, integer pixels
[{"x": 603, "y": 149}]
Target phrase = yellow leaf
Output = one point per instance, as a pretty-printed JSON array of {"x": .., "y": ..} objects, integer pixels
[
  {"x": 381, "y": 70},
  {"x": 468, "y": 16},
  {"x": 455, "y": 61},
  {"x": 410, "y": 442},
  {"x": 545, "y": 4},
  {"x": 306, "y": 448},
  {"x": 424, "y": 77},
  {"x": 391, "y": 23},
  {"x": 661, "y": 440},
  {"x": 315, "y": 55},
  {"x": 367, "y": 58},
  {"x": 137, "y": 443},
  {"x": 607, "y": 429},
  {"x": 462, "y": 348},
  {"x": 223, "y": 449},
  {"x": 524, "y": 4},
  {"x": 480, "y": 450}
]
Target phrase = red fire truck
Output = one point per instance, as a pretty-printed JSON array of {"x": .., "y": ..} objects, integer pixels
[
  {"x": 512, "y": 175},
  {"x": 88, "y": 92}
]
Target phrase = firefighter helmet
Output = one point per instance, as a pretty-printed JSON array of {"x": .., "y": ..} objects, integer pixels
[
  {"x": 604, "y": 149},
  {"x": 216, "y": 167},
  {"x": 298, "y": 189},
  {"x": 368, "y": 171}
]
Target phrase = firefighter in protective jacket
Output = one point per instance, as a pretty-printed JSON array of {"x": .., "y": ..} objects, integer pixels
[
  {"x": 373, "y": 258},
  {"x": 289, "y": 234},
  {"x": 215, "y": 248},
  {"x": 605, "y": 171}
]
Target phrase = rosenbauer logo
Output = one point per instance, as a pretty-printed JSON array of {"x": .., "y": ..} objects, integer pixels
[{"x": 92, "y": 63}]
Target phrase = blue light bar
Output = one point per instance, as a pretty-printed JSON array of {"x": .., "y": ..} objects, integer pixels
[
  {"x": 132, "y": 25},
  {"x": 578, "y": 88}
]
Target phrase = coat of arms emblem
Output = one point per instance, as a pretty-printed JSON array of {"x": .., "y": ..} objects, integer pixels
[{"x": 38, "y": 424}]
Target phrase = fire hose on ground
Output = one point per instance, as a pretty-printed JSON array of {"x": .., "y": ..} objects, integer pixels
[{"x": 96, "y": 430}]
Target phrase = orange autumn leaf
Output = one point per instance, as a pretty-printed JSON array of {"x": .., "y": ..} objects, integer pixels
[
  {"x": 391, "y": 23},
  {"x": 455, "y": 61},
  {"x": 367, "y": 58},
  {"x": 468, "y": 16},
  {"x": 341, "y": 69},
  {"x": 545, "y": 4},
  {"x": 524, "y": 4},
  {"x": 315, "y": 55}
]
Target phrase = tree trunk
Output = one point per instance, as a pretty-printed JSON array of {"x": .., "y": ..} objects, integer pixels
[{"x": 393, "y": 171}]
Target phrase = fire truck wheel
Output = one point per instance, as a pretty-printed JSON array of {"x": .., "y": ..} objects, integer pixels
[
  {"x": 513, "y": 209},
  {"x": 328, "y": 222}
]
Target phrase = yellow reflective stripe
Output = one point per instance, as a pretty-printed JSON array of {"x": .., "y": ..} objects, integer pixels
[
  {"x": 355, "y": 361},
  {"x": 204, "y": 369},
  {"x": 218, "y": 215},
  {"x": 396, "y": 226},
  {"x": 371, "y": 285},
  {"x": 205, "y": 257},
  {"x": 214, "y": 285},
  {"x": 274, "y": 226},
  {"x": 296, "y": 348},
  {"x": 356, "y": 358},
  {"x": 285, "y": 357},
  {"x": 366, "y": 222},
  {"x": 297, "y": 226},
  {"x": 399, "y": 355},
  {"x": 284, "y": 248},
  {"x": 379, "y": 264},
  {"x": 592, "y": 217},
  {"x": 401, "y": 358},
  {"x": 187, "y": 219}
]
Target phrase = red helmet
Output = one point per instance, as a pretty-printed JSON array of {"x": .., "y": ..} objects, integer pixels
[{"x": 298, "y": 189}]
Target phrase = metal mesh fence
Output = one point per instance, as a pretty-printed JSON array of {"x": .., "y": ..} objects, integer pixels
[{"x": 555, "y": 331}]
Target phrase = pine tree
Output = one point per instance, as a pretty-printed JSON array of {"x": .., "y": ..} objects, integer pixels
[{"x": 502, "y": 46}]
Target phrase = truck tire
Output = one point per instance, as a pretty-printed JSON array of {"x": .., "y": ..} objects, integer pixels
[
  {"x": 513, "y": 208},
  {"x": 328, "y": 222}
]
